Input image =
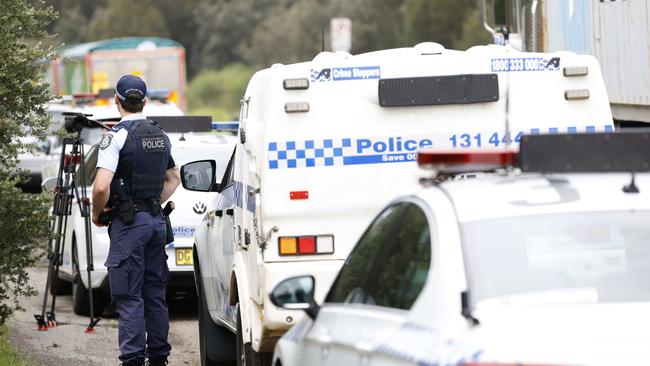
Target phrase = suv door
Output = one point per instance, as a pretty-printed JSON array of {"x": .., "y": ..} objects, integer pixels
[
  {"x": 222, "y": 241},
  {"x": 378, "y": 284}
]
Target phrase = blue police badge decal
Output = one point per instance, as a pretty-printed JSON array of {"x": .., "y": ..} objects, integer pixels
[{"x": 106, "y": 141}]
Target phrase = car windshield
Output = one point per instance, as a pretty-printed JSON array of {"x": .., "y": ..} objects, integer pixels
[{"x": 602, "y": 255}]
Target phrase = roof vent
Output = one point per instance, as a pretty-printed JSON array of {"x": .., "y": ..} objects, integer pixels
[{"x": 429, "y": 48}]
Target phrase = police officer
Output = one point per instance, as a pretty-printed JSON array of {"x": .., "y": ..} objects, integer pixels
[{"x": 135, "y": 173}]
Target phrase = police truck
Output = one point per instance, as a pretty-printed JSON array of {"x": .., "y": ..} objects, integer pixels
[{"x": 324, "y": 144}]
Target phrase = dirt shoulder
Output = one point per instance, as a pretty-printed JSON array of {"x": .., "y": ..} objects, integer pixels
[{"x": 68, "y": 345}]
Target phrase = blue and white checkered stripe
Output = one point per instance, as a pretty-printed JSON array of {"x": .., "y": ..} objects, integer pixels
[
  {"x": 426, "y": 347},
  {"x": 346, "y": 151},
  {"x": 309, "y": 153}
]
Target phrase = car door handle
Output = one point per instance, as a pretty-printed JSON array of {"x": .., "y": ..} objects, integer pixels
[
  {"x": 218, "y": 213},
  {"x": 230, "y": 211}
]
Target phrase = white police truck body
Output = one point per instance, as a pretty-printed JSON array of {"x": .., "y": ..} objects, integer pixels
[
  {"x": 318, "y": 154},
  {"x": 190, "y": 209},
  {"x": 509, "y": 269}
]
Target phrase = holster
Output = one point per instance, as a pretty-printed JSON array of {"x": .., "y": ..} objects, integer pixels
[
  {"x": 170, "y": 232},
  {"x": 169, "y": 207},
  {"x": 106, "y": 217},
  {"x": 126, "y": 211}
]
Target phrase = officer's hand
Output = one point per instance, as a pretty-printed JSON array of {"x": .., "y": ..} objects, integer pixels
[
  {"x": 96, "y": 218},
  {"x": 96, "y": 221}
]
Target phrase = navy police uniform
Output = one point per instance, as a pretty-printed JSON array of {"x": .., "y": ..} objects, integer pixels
[{"x": 139, "y": 153}]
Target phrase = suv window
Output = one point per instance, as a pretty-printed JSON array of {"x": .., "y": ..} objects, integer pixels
[
  {"x": 228, "y": 175},
  {"x": 389, "y": 265}
]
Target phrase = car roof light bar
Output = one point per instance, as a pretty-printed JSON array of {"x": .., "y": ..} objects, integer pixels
[
  {"x": 610, "y": 152},
  {"x": 184, "y": 123},
  {"x": 225, "y": 126},
  {"x": 464, "y": 161},
  {"x": 622, "y": 152}
]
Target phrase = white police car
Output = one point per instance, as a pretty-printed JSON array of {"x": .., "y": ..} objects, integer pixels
[
  {"x": 190, "y": 210},
  {"x": 509, "y": 268}
]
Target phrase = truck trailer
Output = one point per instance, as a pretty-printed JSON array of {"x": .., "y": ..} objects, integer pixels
[
  {"x": 90, "y": 67},
  {"x": 616, "y": 32}
]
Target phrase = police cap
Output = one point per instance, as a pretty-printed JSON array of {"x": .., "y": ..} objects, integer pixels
[{"x": 131, "y": 87}]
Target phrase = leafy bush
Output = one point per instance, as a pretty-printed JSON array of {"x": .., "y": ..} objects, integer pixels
[
  {"x": 218, "y": 92},
  {"x": 23, "y": 100}
]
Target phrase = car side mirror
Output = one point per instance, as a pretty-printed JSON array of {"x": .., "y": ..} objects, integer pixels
[
  {"x": 199, "y": 175},
  {"x": 296, "y": 293},
  {"x": 48, "y": 184}
]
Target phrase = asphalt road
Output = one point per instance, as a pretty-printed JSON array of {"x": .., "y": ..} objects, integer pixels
[{"x": 68, "y": 345}]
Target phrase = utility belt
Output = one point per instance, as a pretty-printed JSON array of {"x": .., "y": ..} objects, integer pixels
[{"x": 127, "y": 209}]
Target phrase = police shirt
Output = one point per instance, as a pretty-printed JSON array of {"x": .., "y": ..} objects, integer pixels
[{"x": 112, "y": 143}]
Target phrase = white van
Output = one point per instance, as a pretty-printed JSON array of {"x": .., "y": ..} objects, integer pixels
[{"x": 323, "y": 145}]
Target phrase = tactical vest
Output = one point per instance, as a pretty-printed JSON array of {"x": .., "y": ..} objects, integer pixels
[{"x": 141, "y": 169}]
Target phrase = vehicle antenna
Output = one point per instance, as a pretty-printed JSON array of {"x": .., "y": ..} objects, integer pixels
[
  {"x": 322, "y": 39},
  {"x": 507, "y": 137}
]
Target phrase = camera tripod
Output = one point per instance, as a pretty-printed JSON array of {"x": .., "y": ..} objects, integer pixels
[{"x": 66, "y": 193}]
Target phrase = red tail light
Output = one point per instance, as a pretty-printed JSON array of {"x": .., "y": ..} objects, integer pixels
[{"x": 306, "y": 245}]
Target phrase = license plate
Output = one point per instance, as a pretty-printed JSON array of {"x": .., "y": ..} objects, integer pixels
[{"x": 184, "y": 257}]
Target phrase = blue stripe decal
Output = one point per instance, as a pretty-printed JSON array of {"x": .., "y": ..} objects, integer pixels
[
  {"x": 387, "y": 149},
  {"x": 428, "y": 347},
  {"x": 239, "y": 196}
]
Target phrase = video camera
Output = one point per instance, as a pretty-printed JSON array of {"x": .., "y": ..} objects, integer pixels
[{"x": 75, "y": 122}]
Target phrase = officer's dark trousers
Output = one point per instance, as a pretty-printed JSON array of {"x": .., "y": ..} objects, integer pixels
[{"x": 138, "y": 276}]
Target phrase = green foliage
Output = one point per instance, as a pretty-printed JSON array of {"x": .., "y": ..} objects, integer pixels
[
  {"x": 122, "y": 18},
  {"x": 472, "y": 33},
  {"x": 8, "y": 355},
  {"x": 219, "y": 91},
  {"x": 23, "y": 218}
]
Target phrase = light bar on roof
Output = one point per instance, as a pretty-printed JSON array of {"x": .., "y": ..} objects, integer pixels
[
  {"x": 473, "y": 160},
  {"x": 225, "y": 126},
  {"x": 184, "y": 123},
  {"x": 621, "y": 152}
]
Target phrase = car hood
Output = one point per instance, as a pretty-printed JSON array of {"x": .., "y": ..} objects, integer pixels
[{"x": 564, "y": 334}]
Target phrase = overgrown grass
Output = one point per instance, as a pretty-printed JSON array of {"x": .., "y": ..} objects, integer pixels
[{"x": 8, "y": 355}]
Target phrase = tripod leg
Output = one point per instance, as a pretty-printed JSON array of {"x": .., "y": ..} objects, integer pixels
[
  {"x": 84, "y": 208},
  {"x": 58, "y": 259},
  {"x": 41, "y": 318}
]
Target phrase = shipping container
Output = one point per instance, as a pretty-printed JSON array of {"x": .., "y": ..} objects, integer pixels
[{"x": 615, "y": 31}]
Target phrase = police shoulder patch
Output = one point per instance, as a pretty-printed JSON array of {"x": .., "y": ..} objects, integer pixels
[{"x": 106, "y": 141}]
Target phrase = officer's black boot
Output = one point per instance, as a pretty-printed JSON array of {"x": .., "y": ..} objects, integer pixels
[
  {"x": 137, "y": 362},
  {"x": 157, "y": 361}
]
